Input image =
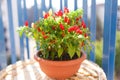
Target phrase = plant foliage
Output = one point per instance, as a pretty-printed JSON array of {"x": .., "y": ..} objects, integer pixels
[{"x": 59, "y": 33}]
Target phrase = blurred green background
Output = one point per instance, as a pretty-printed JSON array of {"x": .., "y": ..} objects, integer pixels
[{"x": 98, "y": 51}]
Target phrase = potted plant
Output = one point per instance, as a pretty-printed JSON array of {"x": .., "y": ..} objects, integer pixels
[{"x": 62, "y": 37}]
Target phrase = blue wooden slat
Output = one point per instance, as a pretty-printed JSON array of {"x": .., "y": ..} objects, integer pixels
[
  {"x": 50, "y": 4},
  {"x": 65, "y": 3},
  {"x": 61, "y": 5},
  {"x": 3, "y": 59},
  {"x": 36, "y": 16},
  {"x": 11, "y": 29},
  {"x": 43, "y": 7},
  {"x": 26, "y": 19},
  {"x": 75, "y": 4},
  {"x": 93, "y": 28},
  {"x": 112, "y": 40},
  {"x": 20, "y": 22},
  {"x": 35, "y": 11},
  {"x": 85, "y": 12},
  {"x": 106, "y": 36}
]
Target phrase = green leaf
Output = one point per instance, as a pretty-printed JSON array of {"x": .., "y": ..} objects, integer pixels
[
  {"x": 60, "y": 51},
  {"x": 20, "y": 33},
  {"x": 71, "y": 50},
  {"x": 78, "y": 53},
  {"x": 46, "y": 55},
  {"x": 53, "y": 55}
]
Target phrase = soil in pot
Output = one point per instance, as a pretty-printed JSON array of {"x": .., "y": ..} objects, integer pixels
[{"x": 64, "y": 57}]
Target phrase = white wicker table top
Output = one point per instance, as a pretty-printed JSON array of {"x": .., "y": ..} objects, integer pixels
[{"x": 30, "y": 70}]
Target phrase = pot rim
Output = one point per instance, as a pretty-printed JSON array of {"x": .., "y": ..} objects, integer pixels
[{"x": 83, "y": 57}]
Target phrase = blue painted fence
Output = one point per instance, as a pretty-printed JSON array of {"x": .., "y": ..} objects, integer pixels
[{"x": 109, "y": 33}]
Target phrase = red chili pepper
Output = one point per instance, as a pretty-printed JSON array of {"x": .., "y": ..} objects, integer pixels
[
  {"x": 53, "y": 27},
  {"x": 76, "y": 28},
  {"x": 67, "y": 20},
  {"x": 63, "y": 34},
  {"x": 38, "y": 29},
  {"x": 79, "y": 31},
  {"x": 83, "y": 24},
  {"x": 61, "y": 26},
  {"x": 46, "y": 15},
  {"x": 73, "y": 28},
  {"x": 66, "y": 10},
  {"x": 59, "y": 13},
  {"x": 45, "y": 37},
  {"x": 82, "y": 44},
  {"x": 43, "y": 33},
  {"x": 70, "y": 29},
  {"x": 78, "y": 18},
  {"x": 26, "y": 23},
  {"x": 85, "y": 35},
  {"x": 34, "y": 26}
]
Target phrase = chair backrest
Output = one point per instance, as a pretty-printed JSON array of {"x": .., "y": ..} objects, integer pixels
[{"x": 17, "y": 13}]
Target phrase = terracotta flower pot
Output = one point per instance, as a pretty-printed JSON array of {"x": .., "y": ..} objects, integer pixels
[{"x": 60, "y": 70}]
